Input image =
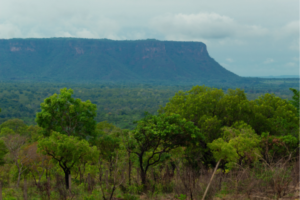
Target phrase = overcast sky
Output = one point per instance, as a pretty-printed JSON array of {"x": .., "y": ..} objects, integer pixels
[{"x": 248, "y": 37}]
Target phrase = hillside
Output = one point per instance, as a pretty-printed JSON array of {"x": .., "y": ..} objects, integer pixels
[{"x": 71, "y": 59}]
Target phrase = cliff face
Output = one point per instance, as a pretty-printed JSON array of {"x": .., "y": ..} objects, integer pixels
[{"x": 100, "y": 60}]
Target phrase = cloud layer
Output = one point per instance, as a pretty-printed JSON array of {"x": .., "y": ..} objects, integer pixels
[{"x": 204, "y": 26}]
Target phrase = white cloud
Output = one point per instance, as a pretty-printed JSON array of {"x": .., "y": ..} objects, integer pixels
[
  {"x": 229, "y": 59},
  {"x": 9, "y": 31},
  {"x": 204, "y": 26},
  {"x": 268, "y": 61},
  {"x": 289, "y": 34},
  {"x": 290, "y": 65},
  {"x": 290, "y": 30}
]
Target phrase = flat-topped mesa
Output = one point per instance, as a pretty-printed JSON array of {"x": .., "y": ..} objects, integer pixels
[{"x": 72, "y": 59}]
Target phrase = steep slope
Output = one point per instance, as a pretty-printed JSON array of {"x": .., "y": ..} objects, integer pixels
[{"x": 71, "y": 59}]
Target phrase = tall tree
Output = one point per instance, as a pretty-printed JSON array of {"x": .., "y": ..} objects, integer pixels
[
  {"x": 210, "y": 109},
  {"x": 155, "y": 136},
  {"x": 67, "y": 151},
  {"x": 66, "y": 115}
]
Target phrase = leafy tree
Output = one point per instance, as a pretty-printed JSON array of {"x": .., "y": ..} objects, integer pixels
[
  {"x": 155, "y": 136},
  {"x": 17, "y": 125},
  {"x": 107, "y": 146},
  {"x": 66, "y": 115},
  {"x": 275, "y": 148},
  {"x": 67, "y": 151},
  {"x": 14, "y": 143},
  {"x": 239, "y": 143},
  {"x": 244, "y": 140},
  {"x": 210, "y": 109},
  {"x": 274, "y": 115},
  {"x": 37, "y": 163},
  {"x": 3, "y": 152},
  {"x": 295, "y": 99}
]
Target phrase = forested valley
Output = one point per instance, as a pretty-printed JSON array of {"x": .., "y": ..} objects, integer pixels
[{"x": 148, "y": 141}]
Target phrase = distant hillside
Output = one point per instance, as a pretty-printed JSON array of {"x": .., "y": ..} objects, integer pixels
[{"x": 71, "y": 59}]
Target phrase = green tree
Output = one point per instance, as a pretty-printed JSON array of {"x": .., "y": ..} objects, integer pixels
[
  {"x": 67, "y": 151},
  {"x": 156, "y": 135},
  {"x": 210, "y": 109},
  {"x": 295, "y": 99},
  {"x": 274, "y": 148},
  {"x": 3, "y": 152},
  {"x": 17, "y": 125},
  {"x": 14, "y": 143},
  {"x": 238, "y": 143},
  {"x": 274, "y": 115},
  {"x": 66, "y": 115}
]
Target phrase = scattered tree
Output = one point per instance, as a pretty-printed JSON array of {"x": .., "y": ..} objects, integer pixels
[
  {"x": 66, "y": 115},
  {"x": 155, "y": 136},
  {"x": 66, "y": 151}
]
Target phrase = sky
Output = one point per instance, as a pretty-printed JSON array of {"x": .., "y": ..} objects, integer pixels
[{"x": 247, "y": 37}]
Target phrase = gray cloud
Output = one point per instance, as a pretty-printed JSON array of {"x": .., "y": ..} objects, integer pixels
[{"x": 204, "y": 26}]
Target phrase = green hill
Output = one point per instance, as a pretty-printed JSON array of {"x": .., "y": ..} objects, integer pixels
[{"x": 101, "y": 60}]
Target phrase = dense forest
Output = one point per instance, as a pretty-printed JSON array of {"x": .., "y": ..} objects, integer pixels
[
  {"x": 119, "y": 104},
  {"x": 148, "y": 142}
]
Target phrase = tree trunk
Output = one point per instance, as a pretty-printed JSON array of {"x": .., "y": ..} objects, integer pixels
[
  {"x": 70, "y": 181},
  {"x": 89, "y": 182},
  {"x": 143, "y": 177},
  {"x": 211, "y": 179},
  {"x": 67, "y": 179},
  {"x": 142, "y": 172}
]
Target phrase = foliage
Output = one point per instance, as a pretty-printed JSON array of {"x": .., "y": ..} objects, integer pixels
[
  {"x": 16, "y": 125},
  {"x": 210, "y": 109},
  {"x": 14, "y": 143},
  {"x": 295, "y": 99},
  {"x": 155, "y": 136},
  {"x": 118, "y": 104},
  {"x": 3, "y": 152},
  {"x": 167, "y": 154},
  {"x": 239, "y": 143},
  {"x": 66, "y": 115},
  {"x": 274, "y": 115},
  {"x": 66, "y": 150},
  {"x": 274, "y": 148}
]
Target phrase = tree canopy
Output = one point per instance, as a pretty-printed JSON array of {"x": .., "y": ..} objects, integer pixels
[
  {"x": 156, "y": 135},
  {"x": 66, "y": 115},
  {"x": 66, "y": 151}
]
